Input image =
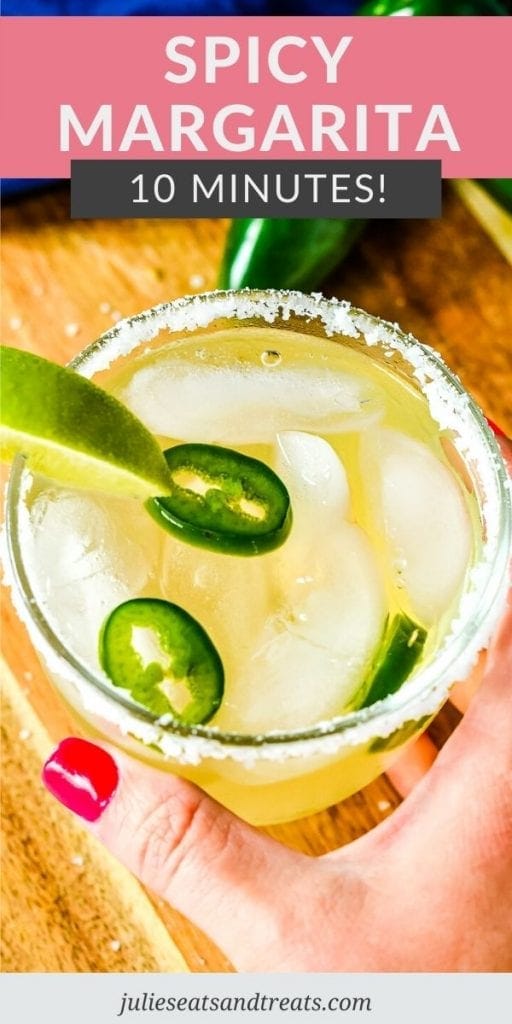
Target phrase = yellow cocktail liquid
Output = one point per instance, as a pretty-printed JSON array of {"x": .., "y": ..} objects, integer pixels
[{"x": 384, "y": 524}]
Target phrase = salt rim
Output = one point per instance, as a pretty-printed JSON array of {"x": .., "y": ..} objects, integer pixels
[{"x": 449, "y": 405}]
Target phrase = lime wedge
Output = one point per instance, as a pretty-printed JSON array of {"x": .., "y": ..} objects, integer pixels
[
  {"x": 401, "y": 648},
  {"x": 74, "y": 432}
]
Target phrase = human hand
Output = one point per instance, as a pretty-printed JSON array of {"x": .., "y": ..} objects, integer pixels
[{"x": 429, "y": 889}]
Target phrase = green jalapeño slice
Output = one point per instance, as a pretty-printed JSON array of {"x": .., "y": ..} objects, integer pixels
[
  {"x": 223, "y": 501},
  {"x": 166, "y": 660},
  {"x": 401, "y": 648}
]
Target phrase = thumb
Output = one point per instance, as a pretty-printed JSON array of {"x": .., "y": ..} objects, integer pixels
[
  {"x": 461, "y": 811},
  {"x": 237, "y": 885}
]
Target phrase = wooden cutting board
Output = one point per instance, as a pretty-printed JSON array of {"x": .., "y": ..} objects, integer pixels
[{"x": 67, "y": 906}]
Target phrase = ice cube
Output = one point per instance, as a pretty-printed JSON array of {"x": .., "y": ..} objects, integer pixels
[
  {"x": 312, "y": 654},
  {"x": 228, "y": 595},
  {"x": 247, "y": 404},
  {"x": 314, "y": 476},
  {"x": 320, "y": 499},
  {"x": 328, "y": 604},
  {"x": 86, "y": 555},
  {"x": 418, "y": 503}
]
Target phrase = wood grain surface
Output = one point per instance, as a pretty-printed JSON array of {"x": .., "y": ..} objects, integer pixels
[{"x": 66, "y": 905}]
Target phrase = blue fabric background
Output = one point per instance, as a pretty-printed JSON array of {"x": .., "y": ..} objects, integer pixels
[{"x": 190, "y": 7}]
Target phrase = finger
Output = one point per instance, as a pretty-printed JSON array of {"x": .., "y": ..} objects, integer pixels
[
  {"x": 443, "y": 856},
  {"x": 501, "y": 437},
  {"x": 413, "y": 764},
  {"x": 462, "y": 693},
  {"x": 490, "y": 715},
  {"x": 468, "y": 789},
  {"x": 473, "y": 771},
  {"x": 417, "y": 760},
  {"x": 212, "y": 867}
]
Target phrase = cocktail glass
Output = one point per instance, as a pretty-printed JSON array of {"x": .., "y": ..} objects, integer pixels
[{"x": 285, "y": 773}]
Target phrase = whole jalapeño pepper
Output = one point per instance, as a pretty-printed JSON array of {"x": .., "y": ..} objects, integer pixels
[
  {"x": 264, "y": 253},
  {"x": 500, "y": 189},
  {"x": 420, "y": 8}
]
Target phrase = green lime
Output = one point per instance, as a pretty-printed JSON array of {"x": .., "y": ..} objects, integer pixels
[{"x": 74, "y": 432}]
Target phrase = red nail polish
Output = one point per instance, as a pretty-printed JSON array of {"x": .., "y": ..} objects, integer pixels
[
  {"x": 496, "y": 429},
  {"x": 81, "y": 776}
]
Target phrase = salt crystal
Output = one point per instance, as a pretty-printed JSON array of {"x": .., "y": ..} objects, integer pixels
[
  {"x": 115, "y": 315},
  {"x": 383, "y": 805},
  {"x": 77, "y": 860},
  {"x": 15, "y": 323},
  {"x": 71, "y": 330},
  {"x": 24, "y": 734},
  {"x": 196, "y": 281},
  {"x": 115, "y": 945},
  {"x": 28, "y": 676},
  {"x": 104, "y": 307}
]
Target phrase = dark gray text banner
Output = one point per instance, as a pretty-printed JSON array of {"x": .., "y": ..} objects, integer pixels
[{"x": 344, "y": 189}]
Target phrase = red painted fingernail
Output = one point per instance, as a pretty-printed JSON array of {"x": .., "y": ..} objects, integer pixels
[
  {"x": 496, "y": 429},
  {"x": 81, "y": 776}
]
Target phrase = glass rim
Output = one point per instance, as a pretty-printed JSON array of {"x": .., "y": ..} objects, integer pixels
[{"x": 426, "y": 681}]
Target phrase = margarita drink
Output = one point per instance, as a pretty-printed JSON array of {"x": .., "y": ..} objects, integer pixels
[{"x": 322, "y": 638}]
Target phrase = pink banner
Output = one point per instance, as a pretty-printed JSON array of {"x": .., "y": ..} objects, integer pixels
[{"x": 266, "y": 88}]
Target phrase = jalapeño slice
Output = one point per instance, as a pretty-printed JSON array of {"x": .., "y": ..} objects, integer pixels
[
  {"x": 163, "y": 656},
  {"x": 223, "y": 501},
  {"x": 401, "y": 647}
]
